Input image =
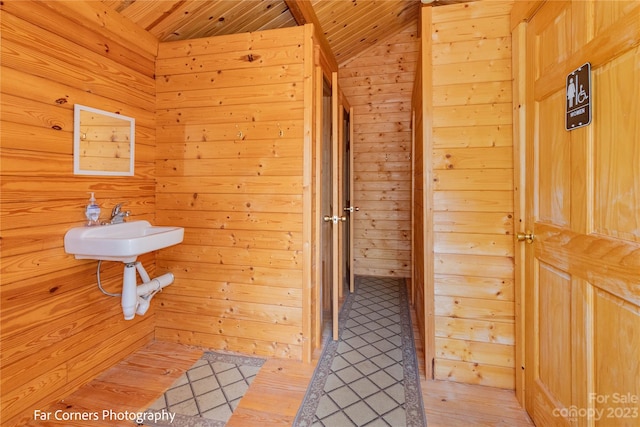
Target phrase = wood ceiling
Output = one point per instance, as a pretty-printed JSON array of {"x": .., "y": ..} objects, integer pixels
[{"x": 350, "y": 26}]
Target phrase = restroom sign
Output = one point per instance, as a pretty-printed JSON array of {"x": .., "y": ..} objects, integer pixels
[{"x": 578, "y": 97}]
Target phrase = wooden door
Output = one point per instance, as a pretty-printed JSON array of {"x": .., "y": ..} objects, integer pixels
[
  {"x": 347, "y": 199},
  {"x": 582, "y": 270},
  {"x": 348, "y": 210},
  {"x": 327, "y": 250},
  {"x": 336, "y": 214}
]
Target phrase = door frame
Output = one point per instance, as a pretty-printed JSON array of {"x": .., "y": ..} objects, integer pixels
[
  {"x": 318, "y": 66},
  {"x": 323, "y": 84},
  {"x": 341, "y": 253},
  {"x": 518, "y": 62},
  {"x": 345, "y": 187},
  {"x": 336, "y": 289},
  {"x": 521, "y": 13},
  {"x": 322, "y": 76},
  {"x": 348, "y": 160}
]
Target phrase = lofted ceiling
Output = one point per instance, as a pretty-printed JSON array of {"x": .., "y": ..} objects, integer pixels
[{"x": 349, "y": 26}]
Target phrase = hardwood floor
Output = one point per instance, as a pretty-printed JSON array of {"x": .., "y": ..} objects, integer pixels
[
  {"x": 273, "y": 399},
  {"x": 450, "y": 404},
  {"x": 131, "y": 385},
  {"x": 274, "y": 396}
]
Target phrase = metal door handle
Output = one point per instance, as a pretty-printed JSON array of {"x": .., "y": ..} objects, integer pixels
[
  {"x": 525, "y": 237},
  {"x": 334, "y": 218},
  {"x": 352, "y": 209}
]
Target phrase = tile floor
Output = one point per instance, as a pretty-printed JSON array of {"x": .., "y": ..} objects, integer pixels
[
  {"x": 211, "y": 388},
  {"x": 366, "y": 377},
  {"x": 365, "y": 385}
]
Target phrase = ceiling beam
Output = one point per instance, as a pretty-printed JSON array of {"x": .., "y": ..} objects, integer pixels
[{"x": 303, "y": 13}]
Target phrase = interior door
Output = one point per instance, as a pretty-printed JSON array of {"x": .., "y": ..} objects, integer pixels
[
  {"x": 337, "y": 216},
  {"x": 327, "y": 247},
  {"x": 582, "y": 262},
  {"x": 330, "y": 204},
  {"x": 347, "y": 199}
]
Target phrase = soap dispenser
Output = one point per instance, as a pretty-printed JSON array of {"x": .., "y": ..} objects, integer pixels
[{"x": 93, "y": 212}]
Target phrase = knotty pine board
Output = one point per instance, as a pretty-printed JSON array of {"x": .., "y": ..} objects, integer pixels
[
  {"x": 468, "y": 145},
  {"x": 230, "y": 170},
  {"x": 53, "y": 316}
]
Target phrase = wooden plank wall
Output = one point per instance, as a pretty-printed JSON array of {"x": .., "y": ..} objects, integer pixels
[
  {"x": 422, "y": 207},
  {"x": 230, "y": 170},
  {"x": 466, "y": 139},
  {"x": 378, "y": 84},
  {"x": 58, "y": 330},
  {"x": 418, "y": 213},
  {"x": 471, "y": 144}
]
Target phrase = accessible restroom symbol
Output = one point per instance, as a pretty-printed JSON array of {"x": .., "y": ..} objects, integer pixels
[{"x": 578, "y": 102}]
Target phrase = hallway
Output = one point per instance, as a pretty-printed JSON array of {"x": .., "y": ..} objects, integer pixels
[{"x": 370, "y": 375}]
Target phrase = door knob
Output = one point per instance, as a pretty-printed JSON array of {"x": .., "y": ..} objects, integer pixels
[
  {"x": 334, "y": 218},
  {"x": 352, "y": 209},
  {"x": 525, "y": 237}
]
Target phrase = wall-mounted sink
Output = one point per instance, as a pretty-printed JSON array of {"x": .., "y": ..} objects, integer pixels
[{"x": 120, "y": 242}]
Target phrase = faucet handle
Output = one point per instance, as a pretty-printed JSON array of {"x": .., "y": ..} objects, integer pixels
[{"x": 116, "y": 209}]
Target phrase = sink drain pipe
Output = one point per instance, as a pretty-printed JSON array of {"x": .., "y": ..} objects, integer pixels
[{"x": 137, "y": 298}]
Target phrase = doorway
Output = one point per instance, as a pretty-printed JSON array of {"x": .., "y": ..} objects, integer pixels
[
  {"x": 335, "y": 188},
  {"x": 346, "y": 201},
  {"x": 326, "y": 208}
]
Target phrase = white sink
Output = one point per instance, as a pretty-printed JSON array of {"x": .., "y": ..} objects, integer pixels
[{"x": 120, "y": 242}]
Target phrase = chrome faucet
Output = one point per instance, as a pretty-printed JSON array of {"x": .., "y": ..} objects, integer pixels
[{"x": 118, "y": 215}]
